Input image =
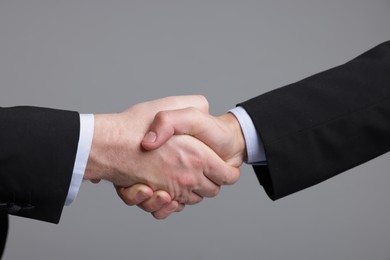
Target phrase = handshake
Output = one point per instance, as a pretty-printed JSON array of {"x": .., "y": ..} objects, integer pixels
[{"x": 166, "y": 153}]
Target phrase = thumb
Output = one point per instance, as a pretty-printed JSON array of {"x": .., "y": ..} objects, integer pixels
[{"x": 189, "y": 121}]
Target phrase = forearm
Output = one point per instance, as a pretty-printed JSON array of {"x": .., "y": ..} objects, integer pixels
[
  {"x": 112, "y": 149},
  {"x": 325, "y": 124},
  {"x": 36, "y": 160}
]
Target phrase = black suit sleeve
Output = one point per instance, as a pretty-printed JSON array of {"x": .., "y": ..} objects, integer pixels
[
  {"x": 323, "y": 125},
  {"x": 37, "y": 153}
]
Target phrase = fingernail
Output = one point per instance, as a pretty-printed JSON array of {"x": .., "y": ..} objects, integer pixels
[
  {"x": 150, "y": 137},
  {"x": 171, "y": 206},
  {"x": 141, "y": 196}
]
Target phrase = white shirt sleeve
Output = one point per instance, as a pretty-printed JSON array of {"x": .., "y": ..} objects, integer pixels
[
  {"x": 84, "y": 147},
  {"x": 254, "y": 144}
]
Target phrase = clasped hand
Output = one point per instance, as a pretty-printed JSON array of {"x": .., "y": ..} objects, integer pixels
[{"x": 166, "y": 153}]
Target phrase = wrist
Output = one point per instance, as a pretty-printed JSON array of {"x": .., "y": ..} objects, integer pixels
[
  {"x": 234, "y": 127},
  {"x": 99, "y": 160}
]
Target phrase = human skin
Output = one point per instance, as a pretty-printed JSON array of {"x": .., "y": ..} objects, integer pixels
[
  {"x": 222, "y": 134},
  {"x": 185, "y": 168}
]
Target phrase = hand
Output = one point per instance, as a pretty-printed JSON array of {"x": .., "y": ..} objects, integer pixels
[
  {"x": 222, "y": 134},
  {"x": 185, "y": 168},
  {"x": 159, "y": 203}
]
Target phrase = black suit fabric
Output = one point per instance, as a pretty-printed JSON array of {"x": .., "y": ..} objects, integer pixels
[
  {"x": 323, "y": 125},
  {"x": 37, "y": 153}
]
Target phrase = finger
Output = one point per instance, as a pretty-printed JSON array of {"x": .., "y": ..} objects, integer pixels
[
  {"x": 219, "y": 172},
  {"x": 135, "y": 194},
  {"x": 191, "y": 199},
  {"x": 167, "y": 210},
  {"x": 207, "y": 188},
  {"x": 179, "y": 102},
  {"x": 176, "y": 102},
  {"x": 183, "y": 121},
  {"x": 180, "y": 207},
  {"x": 224, "y": 175},
  {"x": 156, "y": 202}
]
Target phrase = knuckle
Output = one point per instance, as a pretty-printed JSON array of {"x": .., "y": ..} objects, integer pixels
[
  {"x": 204, "y": 102},
  {"x": 195, "y": 201},
  {"x": 187, "y": 181},
  {"x": 129, "y": 201},
  {"x": 222, "y": 178},
  {"x": 180, "y": 208},
  {"x": 214, "y": 192},
  {"x": 162, "y": 117},
  {"x": 195, "y": 112},
  {"x": 234, "y": 177},
  {"x": 229, "y": 178},
  {"x": 126, "y": 198},
  {"x": 182, "y": 199},
  {"x": 197, "y": 161},
  {"x": 159, "y": 216},
  {"x": 226, "y": 179},
  {"x": 192, "y": 109},
  {"x": 147, "y": 208}
]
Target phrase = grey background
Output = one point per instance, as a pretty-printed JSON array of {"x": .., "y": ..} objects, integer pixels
[{"x": 102, "y": 56}]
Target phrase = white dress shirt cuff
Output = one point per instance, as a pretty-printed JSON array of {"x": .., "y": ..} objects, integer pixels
[
  {"x": 254, "y": 144},
  {"x": 83, "y": 149}
]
